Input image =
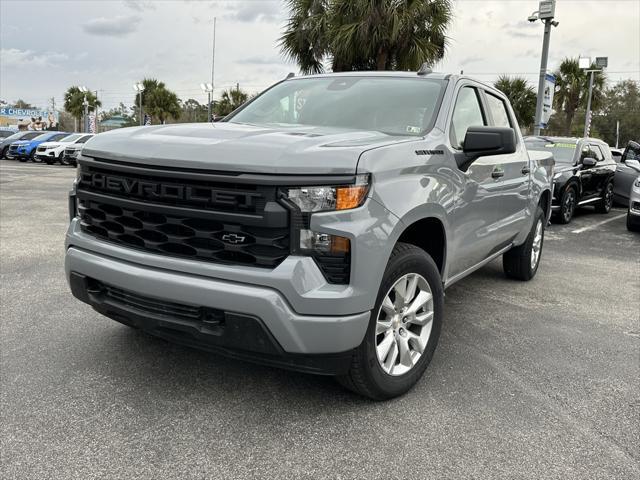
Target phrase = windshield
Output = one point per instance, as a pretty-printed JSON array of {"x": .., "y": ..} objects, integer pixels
[
  {"x": 71, "y": 138},
  {"x": 563, "y": 152},
  {"x": 6, "y": 134},
  {"x": 395, "y": 106},
  {"x": 84, "y": 139}
]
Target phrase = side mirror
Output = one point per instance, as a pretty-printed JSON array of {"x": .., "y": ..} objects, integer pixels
[
  {"x": 589, "y": 162},
  {"x": 485, "y": 141},
  {"x": 635, "y": 164}
]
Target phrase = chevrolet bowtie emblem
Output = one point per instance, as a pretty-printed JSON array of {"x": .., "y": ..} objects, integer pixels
[{"x": 233, "y": 238}]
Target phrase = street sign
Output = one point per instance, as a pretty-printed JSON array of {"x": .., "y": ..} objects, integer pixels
[
  {"x": 547, "y": 99},
  {"x": 602, "y": 62},
  {"x": 547, "y": 9}
]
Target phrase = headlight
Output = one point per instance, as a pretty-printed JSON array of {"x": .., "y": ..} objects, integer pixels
[
  {"x": 557, "y": 175},
  {"x": 636, "y": 184},
  {"x": 324, "y": 199}
]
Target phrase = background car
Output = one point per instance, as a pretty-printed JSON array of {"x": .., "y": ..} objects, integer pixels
[
  {"x": 627, "y": 171},
  {"x": 633, "y": 214},
  {"x": 584, "y": 173},
  {"x": 5, "y": 132},
  {"x": 72, "y": 151},
  {"x": 25, "y": 150},
  {"x": 52, "y": 151},
  {"x": 22, "y": 135}
]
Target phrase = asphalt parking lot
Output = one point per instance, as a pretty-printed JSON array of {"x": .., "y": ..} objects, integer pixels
[{"x": 530, "y": 380}]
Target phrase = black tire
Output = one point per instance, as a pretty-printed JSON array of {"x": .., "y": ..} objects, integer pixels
[
  {"x": 568, "y": 204},
  {"x": 632, "y": 226},
  {"x": 22, "y": 159},
  {"x": 4, "y": 152},
  {"x": 33, "y": 158},
  {"x": 606, "y": 202},
  {"x": 517, "y": 262},
  {"x": 63, "y": 161},
  {"x": 366, "y": 376}
]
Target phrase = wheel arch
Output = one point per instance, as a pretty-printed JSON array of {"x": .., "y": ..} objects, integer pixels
[{"x": 429, "y": 234}]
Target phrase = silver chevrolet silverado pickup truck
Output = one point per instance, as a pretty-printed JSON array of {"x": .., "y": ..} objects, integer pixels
[{"x": 316, "y": 227}]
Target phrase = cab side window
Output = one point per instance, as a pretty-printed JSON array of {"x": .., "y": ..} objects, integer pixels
[
  {"x": 467, "y": 113},
  {"x": 597, "y": 153},
  {"x": 498, "y": 111}
]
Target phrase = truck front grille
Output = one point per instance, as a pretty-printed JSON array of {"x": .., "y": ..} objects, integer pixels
[{"x": 195, "y": 219}]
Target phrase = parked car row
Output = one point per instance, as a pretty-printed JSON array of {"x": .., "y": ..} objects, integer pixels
[
  {"x": 590, "y": 173},
  {"x": 47, "y": 147}
]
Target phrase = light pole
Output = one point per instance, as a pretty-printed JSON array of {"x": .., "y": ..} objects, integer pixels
[
  {"x": 546, "y": 12},
  {"x": 85, "y": 114},
  {"x": 208, "y": 89},
  {"x": 585, "y": 64},
  {"x": 139, "y": 87}
]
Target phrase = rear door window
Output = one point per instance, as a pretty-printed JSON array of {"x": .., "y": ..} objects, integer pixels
[{"x": 498, "y": 110}]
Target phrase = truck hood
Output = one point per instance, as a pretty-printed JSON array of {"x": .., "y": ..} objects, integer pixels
[{"x": 226, "y": 146}]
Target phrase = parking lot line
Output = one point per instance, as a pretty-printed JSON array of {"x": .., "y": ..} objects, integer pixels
[{"x": 597, "y": 225}]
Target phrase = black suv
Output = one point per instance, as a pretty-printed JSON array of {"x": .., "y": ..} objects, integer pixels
[{"x": 583, "y": 175}]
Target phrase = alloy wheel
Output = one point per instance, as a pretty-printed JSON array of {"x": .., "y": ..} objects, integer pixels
[
  {"x": 569, "y": 205},
  {"x": 536, "y": 247},
  {"x": 404, "y": 323},
  {"x": 608, "y": 197}
]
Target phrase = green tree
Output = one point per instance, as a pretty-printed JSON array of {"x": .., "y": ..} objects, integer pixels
[
  {"x": 74, "y": 102},
  {"x": 572, "y": 91},
  {"x": 522, "y": 97},
  {"x": 230, "y": 100},
  {"x": 366, "y": 34},
  {"x": 22, "y": 104},
  {"x": 158, "y": 101},
  {"x": 120, "y": 112},
  {"x": 193, "y": 111},
  {"x": 621, "y": 103}
]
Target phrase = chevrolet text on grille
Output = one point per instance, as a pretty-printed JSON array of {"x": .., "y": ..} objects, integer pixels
[{"x": 155, "y": 190}]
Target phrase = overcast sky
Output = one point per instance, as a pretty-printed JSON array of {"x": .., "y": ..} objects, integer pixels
[{"x": 107, "y": 45}]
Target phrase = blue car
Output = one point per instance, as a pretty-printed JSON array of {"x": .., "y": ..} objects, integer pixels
[{"x": 25, "y": 150}]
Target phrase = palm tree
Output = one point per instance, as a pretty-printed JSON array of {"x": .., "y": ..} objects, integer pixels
[
  {"x": 572, "y": 90},
  {"x": 230, "y": 100},
  {"x": 366, "y": 34},
  {"x": 74, "y": 102},
  {"x": 522, "y": 97},
  {"x": 158, "y": 101}
]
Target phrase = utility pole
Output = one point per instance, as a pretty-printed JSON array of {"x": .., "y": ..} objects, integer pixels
[
  {"x": 139, "y": 87},
  {"x": 213, "y": 67},
  {"x": 617, "y": 133},
  {"x": 585, "y": 63},
  {"x": 545, "y": 13}
]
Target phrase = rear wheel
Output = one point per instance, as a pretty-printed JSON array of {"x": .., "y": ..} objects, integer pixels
[
  {"x": 606, "y": 202},
  {"x": 404, "y": 327},
  {"x": 521, "y": 263}
]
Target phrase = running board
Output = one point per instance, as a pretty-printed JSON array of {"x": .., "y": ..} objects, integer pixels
[
  {"x": 591, "y": 200},
  {"x": 477, "y": 266}
]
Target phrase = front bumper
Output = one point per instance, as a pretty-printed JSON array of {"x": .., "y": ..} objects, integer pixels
[{"x": 285, "y": 333}]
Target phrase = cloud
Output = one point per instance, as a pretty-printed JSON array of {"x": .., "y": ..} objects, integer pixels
[
  {"x": 471, "y": 59},
  {"x": 264, "y": 11},
  {"x": 140, "y": 5},
  {"x": 112, "y": 27},
  {"x": 14, "y": 57},
  {"x": 258, "y": 60}
]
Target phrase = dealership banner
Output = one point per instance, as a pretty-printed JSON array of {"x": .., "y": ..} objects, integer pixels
[
  {"x": 547, "y": 99},
  {"x": 28, "y": 118}
]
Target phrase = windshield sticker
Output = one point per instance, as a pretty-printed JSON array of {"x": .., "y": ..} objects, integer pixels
[
  {"x": 561, "y": 145},
  {"x": 412, "y": 129}
]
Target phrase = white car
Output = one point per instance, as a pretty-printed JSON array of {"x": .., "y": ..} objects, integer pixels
[{"x": 50, "y": 152}]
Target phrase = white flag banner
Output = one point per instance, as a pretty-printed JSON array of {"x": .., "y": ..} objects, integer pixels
[{"x": 547, "y": 99}]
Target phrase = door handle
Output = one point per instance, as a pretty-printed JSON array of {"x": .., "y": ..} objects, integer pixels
[
  {"x": 526, "y": 170},
  {"x": 497, "y": 174}
]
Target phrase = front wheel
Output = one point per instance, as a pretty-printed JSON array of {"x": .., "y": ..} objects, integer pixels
[
  {"x": 4, "y": 152},
  {"x": 606, "y": 202},
  {"x": 521, "y": 262},
  {"x": 567, "y": 205},
  {"x": 404, "y": 327}
]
